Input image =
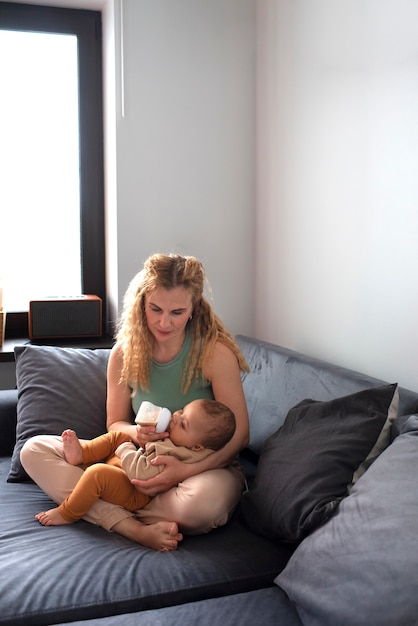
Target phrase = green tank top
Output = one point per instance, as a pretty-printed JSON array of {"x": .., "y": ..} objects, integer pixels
[{"x": 166, "y": 383}]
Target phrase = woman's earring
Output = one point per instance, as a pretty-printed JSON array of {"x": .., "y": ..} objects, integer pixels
[{"x": 191, "y": 317}]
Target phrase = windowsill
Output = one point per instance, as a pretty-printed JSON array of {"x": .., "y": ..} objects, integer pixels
[{"x": 7, "y": 349}]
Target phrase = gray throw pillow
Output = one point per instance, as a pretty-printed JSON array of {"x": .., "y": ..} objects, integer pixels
[
  {"x": 361, "y": 567},
  {"x": 306, "y": 468},
  {"x": 58, "y": 388}
]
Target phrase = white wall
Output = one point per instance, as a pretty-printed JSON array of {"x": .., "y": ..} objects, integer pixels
[
  {"x": 185, "y": 143},
  {"x": 337, "y": 182}
]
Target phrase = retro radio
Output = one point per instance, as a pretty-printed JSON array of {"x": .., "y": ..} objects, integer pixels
[{"x": 54, "y": 318}]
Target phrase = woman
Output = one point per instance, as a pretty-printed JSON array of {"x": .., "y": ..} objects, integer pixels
[{"x": 171, "y": 348}]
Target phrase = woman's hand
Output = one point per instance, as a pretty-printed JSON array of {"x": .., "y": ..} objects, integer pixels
[
  {"x": 173, "y": 472},
  {"x": 146, "y": 434}
]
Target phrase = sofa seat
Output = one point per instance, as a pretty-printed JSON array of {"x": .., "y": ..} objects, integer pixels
[{"x": 58, "y": 574}]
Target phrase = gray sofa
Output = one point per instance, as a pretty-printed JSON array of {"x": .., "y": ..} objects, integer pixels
[{"x": 306, "y": 545}]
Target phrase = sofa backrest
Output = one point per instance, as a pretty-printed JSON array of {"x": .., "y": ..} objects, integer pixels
[{"x": 280, "y": 378}]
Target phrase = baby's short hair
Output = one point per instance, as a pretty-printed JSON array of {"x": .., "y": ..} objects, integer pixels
[{"x": 221, "y": 424}]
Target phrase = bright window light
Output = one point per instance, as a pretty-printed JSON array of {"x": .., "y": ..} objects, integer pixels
[{"x": 39, "y": 168}]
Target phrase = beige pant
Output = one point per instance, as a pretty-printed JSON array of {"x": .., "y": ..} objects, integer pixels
[{"x": 198, "y": 504}]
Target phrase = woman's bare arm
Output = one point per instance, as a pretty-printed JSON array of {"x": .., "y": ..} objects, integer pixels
[{"x": 118, "y": 405}]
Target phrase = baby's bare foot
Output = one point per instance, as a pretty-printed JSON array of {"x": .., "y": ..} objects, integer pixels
[
  {"x": 73, "y": 451},
  {"x": 51, "y": 518}
]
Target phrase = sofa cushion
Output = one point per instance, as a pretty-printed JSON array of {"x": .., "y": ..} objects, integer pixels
[
  {"x": 306, "y": 467},
  {"x": 58, "y": 388},
  {"x": 361, "y": 567}
]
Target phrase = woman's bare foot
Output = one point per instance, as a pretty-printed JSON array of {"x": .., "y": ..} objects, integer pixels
[
  {"x": 51, "y": 518},
  {"x": 73, "y": 451},
  {"x": 161, "y": 536}
]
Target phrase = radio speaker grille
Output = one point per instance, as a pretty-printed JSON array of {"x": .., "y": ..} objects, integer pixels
[{"x": 51, "y": 318}]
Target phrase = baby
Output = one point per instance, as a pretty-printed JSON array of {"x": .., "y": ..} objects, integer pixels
[{"x": 196, "y": 431}]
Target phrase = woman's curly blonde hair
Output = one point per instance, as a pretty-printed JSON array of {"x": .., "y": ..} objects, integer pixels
[{"x": 169, "y": 271}]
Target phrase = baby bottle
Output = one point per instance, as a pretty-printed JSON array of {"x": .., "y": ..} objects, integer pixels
[{"x": 151, "y": 415}]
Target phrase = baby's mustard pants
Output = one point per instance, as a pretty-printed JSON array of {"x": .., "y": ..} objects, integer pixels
[{"x": 103, "y": 478}]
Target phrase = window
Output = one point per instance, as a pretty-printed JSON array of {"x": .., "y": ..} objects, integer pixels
[{"x": 51, "y": 154}]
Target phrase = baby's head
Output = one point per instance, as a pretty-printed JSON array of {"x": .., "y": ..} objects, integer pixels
[{"x": 202, "y": 424}]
